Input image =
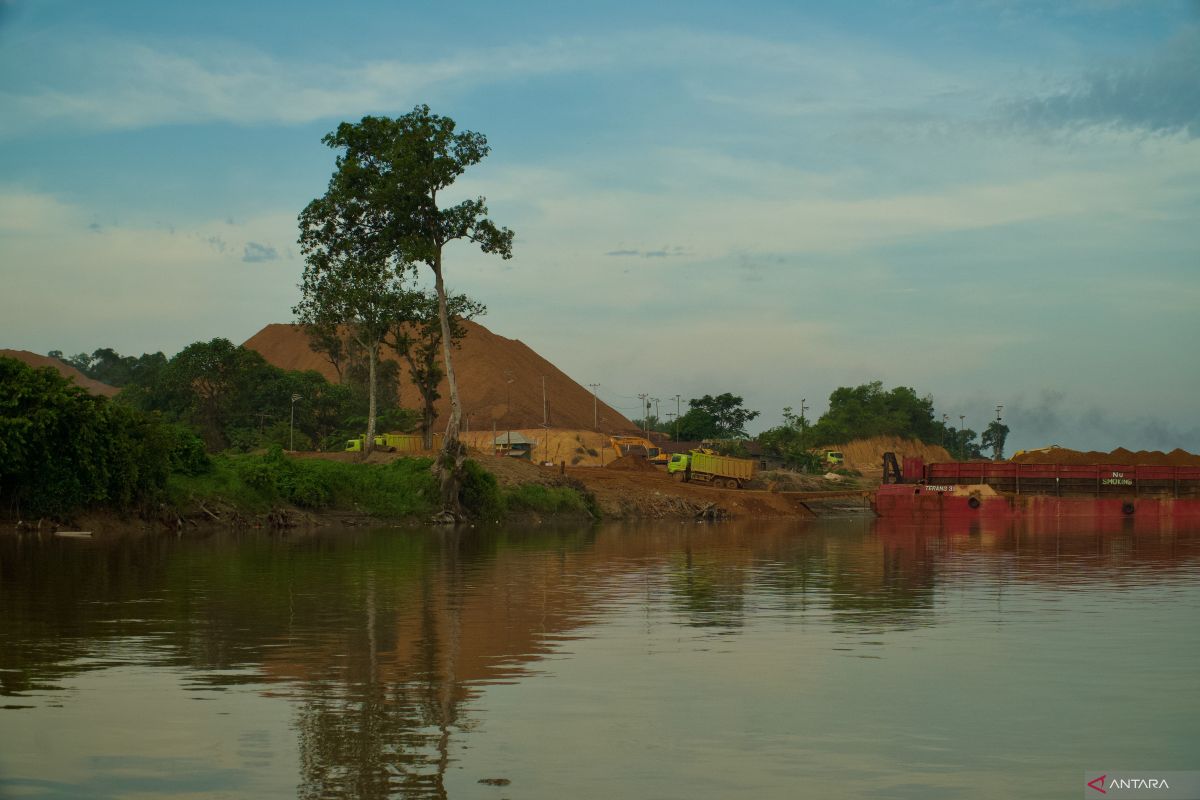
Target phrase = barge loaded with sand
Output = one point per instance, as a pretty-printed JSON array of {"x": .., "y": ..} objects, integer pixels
[{"x": 1048, "y": 485}]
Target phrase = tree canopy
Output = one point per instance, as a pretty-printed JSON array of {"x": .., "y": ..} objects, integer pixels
[{"x": 719, "y": 417}]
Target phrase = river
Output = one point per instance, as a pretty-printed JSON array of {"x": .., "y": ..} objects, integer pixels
[{"x": 837, "y": 658}]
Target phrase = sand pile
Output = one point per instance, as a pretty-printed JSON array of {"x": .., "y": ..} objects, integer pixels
[
  {"x": 579, "y": 448},
  {"x": 1152, "y": 458},
  {"x": 64, "y": 369},
  {"x": 632, "y": 463},
  {"x": 484, "y": 365},
  {"x": 866, "y": 455}
]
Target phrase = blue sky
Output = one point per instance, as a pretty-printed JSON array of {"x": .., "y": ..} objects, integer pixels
[{"x": 993, "y": 202}]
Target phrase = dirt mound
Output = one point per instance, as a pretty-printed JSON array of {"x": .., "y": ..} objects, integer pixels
[
  {"x": 1150, "y": 458},
  {"x": 866, "y": 455},
  {"x": 579, "y": 448},
  {"x": 632, "y": 463},
  {"x": 64, "y": 369},
  {"x": 499, "y": 381}
]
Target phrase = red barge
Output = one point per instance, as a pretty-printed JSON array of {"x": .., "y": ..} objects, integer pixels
[{"x": 1008, "y": 490}]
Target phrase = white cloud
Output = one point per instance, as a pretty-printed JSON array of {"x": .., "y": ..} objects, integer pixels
[
  {"x": 76, "y": 287},
  {"x": 119, "y": 84}
]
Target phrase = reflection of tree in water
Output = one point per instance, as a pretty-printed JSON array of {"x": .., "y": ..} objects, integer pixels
[
  {"x": 378, "y": 741},
  {"x": 863, "y": 579},
  {"x": 388, "y": 729},
  {"x": 708, "y": 588},
  {"x": 881, "y": 582}
]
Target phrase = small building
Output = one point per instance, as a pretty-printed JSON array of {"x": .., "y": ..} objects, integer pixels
[
  {"x": 514, "y": 445},
  {"x": 766, "y": 461}
]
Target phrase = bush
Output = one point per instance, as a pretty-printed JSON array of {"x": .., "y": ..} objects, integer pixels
[
  {"x": 62, "y": 449},
  {"x": 480, "y": 494},
  {"x": 546, "y": 499},
  {"x": 403, "y": 488}
]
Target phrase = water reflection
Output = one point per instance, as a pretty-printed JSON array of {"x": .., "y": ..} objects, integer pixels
[{"x": 381, "y": 642}]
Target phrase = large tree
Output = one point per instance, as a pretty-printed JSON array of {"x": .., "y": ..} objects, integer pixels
[
  {"x": 211, "y": 380},
  {"x": 720, "y": 417},
  {"x": 382, "y": 205},
  {"x": 994, "y": 436},
  {"x": 418, "y": 340}
]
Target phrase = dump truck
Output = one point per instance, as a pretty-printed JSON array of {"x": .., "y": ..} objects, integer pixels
[
  {"x": 708, "y": 467},
  {"x": 389, "y": 442}
]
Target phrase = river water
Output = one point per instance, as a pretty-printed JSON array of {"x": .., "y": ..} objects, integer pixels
[{"x": 838, "y": 658}]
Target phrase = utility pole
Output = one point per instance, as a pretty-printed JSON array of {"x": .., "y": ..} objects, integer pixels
[
  {"x": 545, "y": 411},
  {"x": 944, "y": 418},
  {"x": 292, "y": 424},
  {"x": 803, "y": 408},
  {"x": 677, "y": 418},
  {"x": 508, "y": 381},
  {"x": 645, "y": 409},
  {"x": 655, "y": 399},
  {"x": 962, "y": 437},
  {"x": 595, "y": 407},
  {"x": 998, "y": 412}
]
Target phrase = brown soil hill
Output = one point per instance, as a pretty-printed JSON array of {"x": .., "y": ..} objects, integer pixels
[
  {"x": 1063, "y": 455},
  {"x": 483, "y": 365},
  {"x": 66, "y": 370},
  {"x": 866, "y": 455}
]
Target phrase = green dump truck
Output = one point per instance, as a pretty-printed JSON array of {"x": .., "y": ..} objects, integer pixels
[
  {"x": 707, "y": 467},
  {"x": 388, "y": 442}
]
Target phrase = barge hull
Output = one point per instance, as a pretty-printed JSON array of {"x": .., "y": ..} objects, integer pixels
[
  {"x": 912, "y": 501},
  {"x": 1004, "y": 490}
]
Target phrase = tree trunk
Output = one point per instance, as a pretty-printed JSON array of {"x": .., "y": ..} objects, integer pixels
[
  {"x": 372, "y": 358},
  {"x": 450, "y": 463},
  {"x": 427, "y": 419}
]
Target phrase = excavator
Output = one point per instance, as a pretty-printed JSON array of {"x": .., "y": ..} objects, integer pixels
[{"x": 636, "y": 445}]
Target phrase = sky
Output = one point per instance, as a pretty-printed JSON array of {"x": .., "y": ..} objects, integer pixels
[{"x": 995, "y": 203}]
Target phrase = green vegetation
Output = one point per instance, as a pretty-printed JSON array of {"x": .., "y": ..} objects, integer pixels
[
  {"x": 403, "y": 488},
  {"x": 236, "y": 401},
  {"x": 110, "y": 367},
  {"x": 257, "y": 483},
  {"x": 547, "y": 499},
  {"x": 866, "y": 411},
  {"x": 707, "y": 417},
  {"x": 994, "y": 436},
  {"x": 63, "y": 449}
]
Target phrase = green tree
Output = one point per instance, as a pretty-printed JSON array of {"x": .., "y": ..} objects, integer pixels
[
  {"x": 62, "y": 449},
  {"x": 381, "y": 207},
  {"x": 212, "y": 381},
  {"x": 994, "y": 436},
  {"x": 110, "y": 367},
  {"x": 867, "y": 410},
  {"x": 960, "y": 442},
  {"x": 418, "y": 340},
  {"x": 720, "y": 417},
  {"x": 792, "y": 442}
]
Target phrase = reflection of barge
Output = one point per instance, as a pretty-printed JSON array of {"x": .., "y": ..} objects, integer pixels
[{"x": 1006, "y": 489}]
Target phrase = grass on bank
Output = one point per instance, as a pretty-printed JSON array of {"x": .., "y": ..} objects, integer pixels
[{"x": 401, "y": 488}]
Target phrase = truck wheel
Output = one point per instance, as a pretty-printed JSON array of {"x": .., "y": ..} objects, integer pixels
[{"x": 679, "y": 476}]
